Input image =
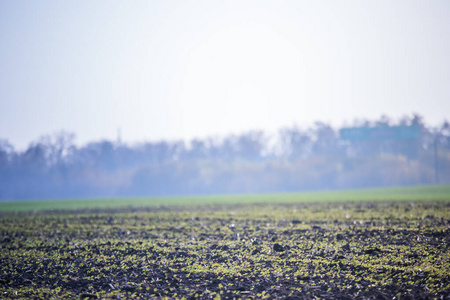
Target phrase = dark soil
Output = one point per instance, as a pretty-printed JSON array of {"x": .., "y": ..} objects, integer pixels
[{"x": 355, "y": 251}]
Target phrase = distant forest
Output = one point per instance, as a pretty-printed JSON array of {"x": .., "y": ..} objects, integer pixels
[{"x": 294, "y": 159}]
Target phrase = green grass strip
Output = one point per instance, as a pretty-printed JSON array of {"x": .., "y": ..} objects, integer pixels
[{"x": 413, "y": 193}]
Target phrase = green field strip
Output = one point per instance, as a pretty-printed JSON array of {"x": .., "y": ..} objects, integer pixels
[{"x": 413, "y": 193}]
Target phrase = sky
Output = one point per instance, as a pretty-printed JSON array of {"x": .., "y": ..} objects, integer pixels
[{"x": 169, "y": 70}]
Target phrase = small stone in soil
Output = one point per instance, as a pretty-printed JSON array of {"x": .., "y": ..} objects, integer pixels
[{"x": 278, "y": 248}]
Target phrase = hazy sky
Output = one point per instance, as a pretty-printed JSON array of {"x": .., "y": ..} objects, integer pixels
[{"x": 184, "y": 69}]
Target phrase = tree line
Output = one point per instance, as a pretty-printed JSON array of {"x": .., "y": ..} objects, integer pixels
[{"x": 293, "y": 159}]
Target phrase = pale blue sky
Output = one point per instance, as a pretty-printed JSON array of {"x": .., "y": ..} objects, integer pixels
[{"x": 184, "y": 69}]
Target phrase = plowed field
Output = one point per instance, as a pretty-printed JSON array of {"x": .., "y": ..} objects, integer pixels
[{"x": 367, "y": 250}]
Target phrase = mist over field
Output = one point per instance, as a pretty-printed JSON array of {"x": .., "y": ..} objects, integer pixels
[
  {"x": 163, "y": 98},
  {"x": 295, "y": 159}
]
